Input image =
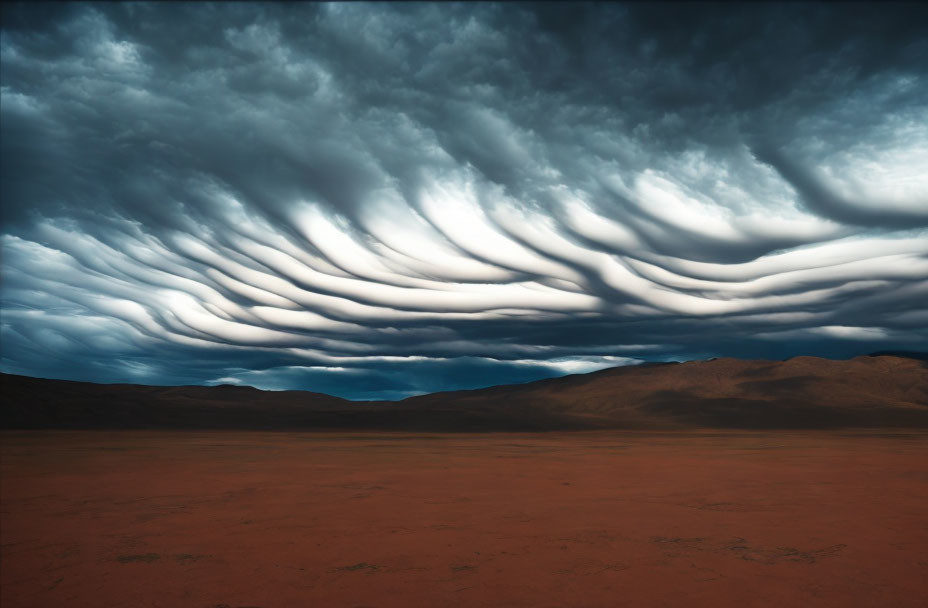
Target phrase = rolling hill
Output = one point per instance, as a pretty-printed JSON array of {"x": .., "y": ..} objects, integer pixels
[{"x": 803, "y": 392}]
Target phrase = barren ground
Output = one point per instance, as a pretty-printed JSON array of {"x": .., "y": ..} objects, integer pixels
[{"x": 235, "y": 519}]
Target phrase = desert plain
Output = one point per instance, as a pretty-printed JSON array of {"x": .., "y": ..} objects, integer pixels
[{"x": 387, "y": 519}]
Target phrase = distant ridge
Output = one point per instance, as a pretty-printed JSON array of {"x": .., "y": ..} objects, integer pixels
[
  {"x": 880, "y": 390},
  {"x": 906, "y": 354}
]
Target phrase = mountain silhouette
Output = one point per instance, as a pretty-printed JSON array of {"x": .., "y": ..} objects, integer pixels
[{"x": 799, "y": 393}]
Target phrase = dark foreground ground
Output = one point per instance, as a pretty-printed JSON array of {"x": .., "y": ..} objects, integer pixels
[{"x": 234, "y": 519}]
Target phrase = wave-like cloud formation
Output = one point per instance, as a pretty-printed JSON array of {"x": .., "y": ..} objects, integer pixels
[{"x": 381, "y": 200}]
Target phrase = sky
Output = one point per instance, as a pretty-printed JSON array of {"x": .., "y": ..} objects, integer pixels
[{"x": 381, "y": 200}]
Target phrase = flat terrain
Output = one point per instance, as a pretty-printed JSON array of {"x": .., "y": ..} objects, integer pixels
[{"x": 234, "y": 519}]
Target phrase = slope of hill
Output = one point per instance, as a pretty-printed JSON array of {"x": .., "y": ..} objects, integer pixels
[{"x": 803, "y": 392}]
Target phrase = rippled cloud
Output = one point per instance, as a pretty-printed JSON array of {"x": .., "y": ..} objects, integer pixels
[{"x": 380, "y": 200}]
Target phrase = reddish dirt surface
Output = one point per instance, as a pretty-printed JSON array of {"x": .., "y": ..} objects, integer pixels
[{"x": 239, "y": 519}]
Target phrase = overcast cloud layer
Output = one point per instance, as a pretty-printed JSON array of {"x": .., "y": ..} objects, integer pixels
[{"x": 380, "y": 200}]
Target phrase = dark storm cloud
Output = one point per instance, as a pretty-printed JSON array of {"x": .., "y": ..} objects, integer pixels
[{"x": 384, "y": 199}]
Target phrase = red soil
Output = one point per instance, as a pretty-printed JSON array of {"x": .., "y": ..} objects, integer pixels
[{"x": 389, "y": 519}]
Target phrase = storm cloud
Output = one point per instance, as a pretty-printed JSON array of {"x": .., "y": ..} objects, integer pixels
[{"x": 380, "y": 200}]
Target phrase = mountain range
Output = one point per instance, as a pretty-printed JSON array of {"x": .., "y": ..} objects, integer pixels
[{"x": 883, "y": 390}]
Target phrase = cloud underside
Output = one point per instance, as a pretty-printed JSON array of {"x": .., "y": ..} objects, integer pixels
[{"x": 382, "y": 200}]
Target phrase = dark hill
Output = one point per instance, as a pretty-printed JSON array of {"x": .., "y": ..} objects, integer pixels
[{"x": 803, "y": 392}]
